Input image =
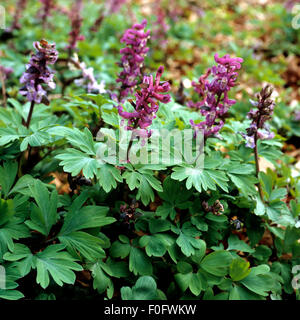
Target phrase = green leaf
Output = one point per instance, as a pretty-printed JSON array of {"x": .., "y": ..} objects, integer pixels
[
  {"x": 108, "y": 177},
  {"x": 78, "y": 218},
  {"x": 8, "y": 135},
  {"x": 183, "y": 280},
  {"x": 260, "y": 283},
  {"x": 8, "y": 174},
  {"x": 260, "y": 209},
  {"x": 120, "y": 250},
  {"x": 187, "y": 241},
  {"x": 12, "y": 229},
  {"x": 139, "y": 263},
  {"x": 217, "y": 263},
  {"x": 6, "y": 210},
  {"x": 144, "y": 289},
  {"x": 80, "y": 243},
  {"x": 73, "y": 161},
  {"x": 22, "y": 257},
  {"x": 43, "y": 215},
  {"x": 23, "y": 184},
  {"x": 239, "y": 269},
  {"x": 159, "y": 225},
  {"x": 246, "y": 184},
  {"x": 57, "y": 263},
  {"x": 154, "y": 245},
  {"x": 205, "y": 179},
  {"x": 101, "y": 280},
  {"x": 36, "y": 139},
  {"x": 234, "y": 243},
  {"x": 142, "y": 179}
]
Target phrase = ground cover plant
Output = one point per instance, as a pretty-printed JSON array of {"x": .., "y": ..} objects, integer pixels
[{"x": 76, "y": 224}]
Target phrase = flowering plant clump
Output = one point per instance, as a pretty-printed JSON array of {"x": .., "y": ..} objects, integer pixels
[
  {"x": 147, "y": 99},
  {"x": 258, "y": 128},
  {"x": 38, "y": 73},
  {"x": 132, "y": 60},
  {"x": 215, "y": 102}
]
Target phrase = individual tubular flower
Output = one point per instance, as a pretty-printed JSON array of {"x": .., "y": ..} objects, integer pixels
[
  {"x": 38, "y": 73},
  {"x": 214, "y": 93},
  {"x": 147, "y": 102},
  {"x": 76, "y": 21},
  {"x": 132, "y": 60},
  {"x": 258, "y": 128}
]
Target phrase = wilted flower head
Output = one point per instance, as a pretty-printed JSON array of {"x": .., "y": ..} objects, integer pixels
[
  {"x": 132, "y": 60},
  {"x": 258, "y": 128},
  {"x": 76, "y": 21},
  {"x": 147, "y": 99},
  {"x": 214, "y": 93},
  {"x": 38, "y": 73}
]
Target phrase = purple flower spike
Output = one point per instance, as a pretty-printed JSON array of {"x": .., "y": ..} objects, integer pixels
[
  {"x": 38, "y": 73},
  {"x": 132, "y": 60},
  {"x": 76, "y": 21},
  {"x": 45, "y": 12},
  {"x": 147, "y": 99},
  {"x": 20, "y": 7},
  {"x": 214, "y": 93},
  {"x": 258, "y": 128}
]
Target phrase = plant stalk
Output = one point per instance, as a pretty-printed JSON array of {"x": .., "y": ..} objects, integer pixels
[
  {"x": 3, "y": 88},
  {"x": 29, "y": 114},
  {"x": 257, "y": 167}
]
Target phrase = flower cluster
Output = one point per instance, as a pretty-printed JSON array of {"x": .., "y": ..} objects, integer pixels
[
  {"x": 38, "y": 73},
  {"x": 147, "y": 99},
  {"x": 115, "y": 5},
  {"x": 258, "y": 128},
  {"x": 161, "y": 26},
  {"x": 45, "y": 12},
  {"x": 132, "y": 60},
  {"x": 88, "y": 79},
  {"x": 214, "y": 93},
  {"x": 20, "y": 7},
  {"x": 76, "y": 21}
]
